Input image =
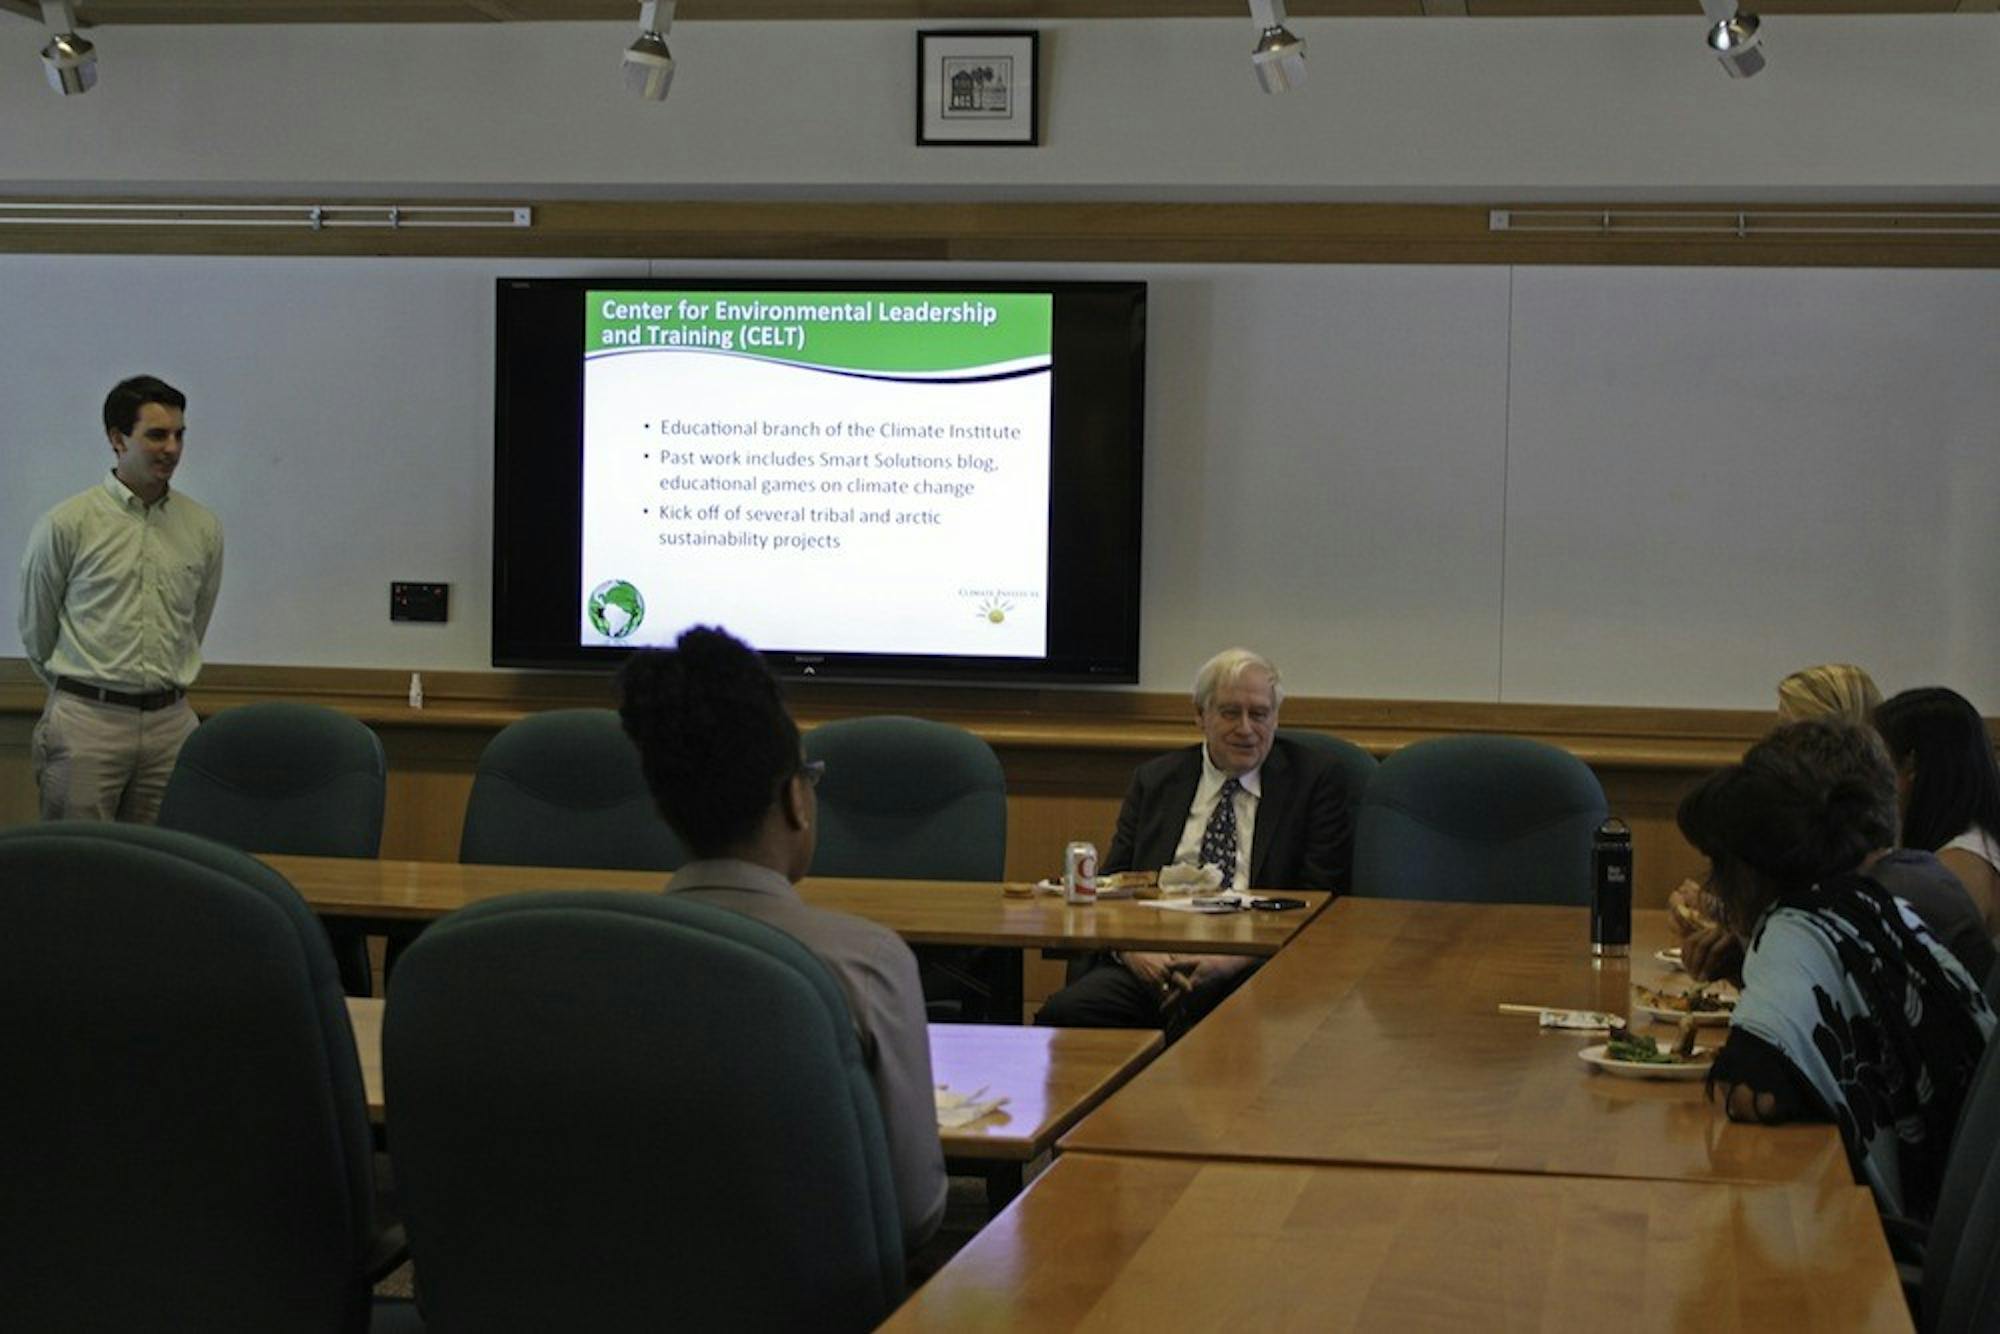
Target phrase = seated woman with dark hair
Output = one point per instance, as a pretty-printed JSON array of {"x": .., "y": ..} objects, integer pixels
[
  {"x": 1851, "y": 1010},
  {"x": 1948, "y": 786},
  {"x": 722, "y": 758},
  {"x": 1918, "y": 878}
]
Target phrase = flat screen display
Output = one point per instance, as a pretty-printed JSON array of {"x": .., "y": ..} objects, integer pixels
[{"x": 893, "y": 480}]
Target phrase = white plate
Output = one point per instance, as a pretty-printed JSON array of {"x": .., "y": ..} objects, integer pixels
[
  {"x": 1696, "y": 1069},
  {"x": 1702, "y": 1018},
  {"x": 1671, "y": 958}
]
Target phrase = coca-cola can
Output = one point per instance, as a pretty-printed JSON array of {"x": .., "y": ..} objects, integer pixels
[{"x": 1080, "y": 873}]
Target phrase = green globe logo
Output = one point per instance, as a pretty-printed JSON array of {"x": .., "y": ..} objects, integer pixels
[{"x": 616, "y": 608}]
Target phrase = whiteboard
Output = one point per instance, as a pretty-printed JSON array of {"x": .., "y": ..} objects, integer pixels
[
  {"x": 1717, "y": 476},
  {"x": 1590, "y": 485}
]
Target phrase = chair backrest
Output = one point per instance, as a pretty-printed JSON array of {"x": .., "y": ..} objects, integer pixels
[
  {"x": 1969, "y": 1300},
  {"x": 564, "y": 788},
  {"x": 615, "y": 1111},
  {"x": 1478, "y": 819},
  {"x": 183, "y": 1138},
  {"x": 281, "y": 777},
  {"x": 1356, "y": 764},
  {"x": 1966, "y": 1223},
  {"x": 908, "y": 799}
]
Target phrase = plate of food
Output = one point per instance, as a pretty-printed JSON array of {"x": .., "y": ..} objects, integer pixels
[
  {"x": 1636, "y": 1056},
  {"x": 1702, "y": 1004},
  {"x": 1110, "y": 885}
]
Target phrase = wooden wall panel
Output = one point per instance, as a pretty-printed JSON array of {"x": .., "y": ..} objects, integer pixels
[
  {"x": 18, "y": 802},
  {"x": 1954, "y": 235}
]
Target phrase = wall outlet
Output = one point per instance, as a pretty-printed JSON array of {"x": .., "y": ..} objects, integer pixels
[{"x": 419, "y": 602}]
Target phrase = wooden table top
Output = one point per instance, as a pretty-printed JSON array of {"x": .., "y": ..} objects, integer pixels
[
  {"x": 1375, "y": 1038},
  {"x": 1115, "y": 1243},
  {"x": 1050, "y": 1077},
  {"x": 923, "y": 912}
]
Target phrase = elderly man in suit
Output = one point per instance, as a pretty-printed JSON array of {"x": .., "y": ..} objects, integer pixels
[{"x": 1261, "y": 809}]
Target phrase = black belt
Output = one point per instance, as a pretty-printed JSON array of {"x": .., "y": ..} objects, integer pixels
[{"x": 158, "y": 699}]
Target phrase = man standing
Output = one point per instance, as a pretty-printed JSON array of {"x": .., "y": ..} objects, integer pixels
[
  {"x": 1260, "y": 808},
  {"x": 116, "y": 590}
]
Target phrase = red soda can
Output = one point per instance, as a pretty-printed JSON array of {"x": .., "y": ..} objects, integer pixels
[{"x": 1080, "y": 873}]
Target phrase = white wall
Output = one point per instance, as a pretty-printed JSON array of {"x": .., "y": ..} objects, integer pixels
[
  {"x": 1660, "y": 487},
  {"x": 1716, "y": 476},
  {"x": 1487, "y": 109},
  {"x": 1650, "y": 486}
]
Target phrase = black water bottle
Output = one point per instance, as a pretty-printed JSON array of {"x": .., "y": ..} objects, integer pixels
[{"x": 1611, "y": 889}]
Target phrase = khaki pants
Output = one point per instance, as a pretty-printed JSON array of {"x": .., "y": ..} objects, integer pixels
[{"x": 97, "y": 761}]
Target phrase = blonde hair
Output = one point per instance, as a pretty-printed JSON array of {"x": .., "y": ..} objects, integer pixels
[
  {"x": 1831, "y": 690},
  {"x": 1227, "y": 668}
]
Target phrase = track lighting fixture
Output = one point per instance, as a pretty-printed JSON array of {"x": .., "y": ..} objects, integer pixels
[
  {"x": 1734, "y": 37},
  {"x": 649, "y": 66},
  {"x": 68, "y": 60},
  {"x": 1279, "y": 57}
]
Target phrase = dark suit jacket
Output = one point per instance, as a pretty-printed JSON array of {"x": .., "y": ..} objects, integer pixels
[{"x": 1303, "y": 838}]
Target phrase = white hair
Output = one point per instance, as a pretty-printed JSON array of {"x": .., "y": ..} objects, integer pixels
[{"x": 1227, "y": 668}]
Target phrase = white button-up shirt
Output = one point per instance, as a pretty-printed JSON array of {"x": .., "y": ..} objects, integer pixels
[
  {"x": 117, "y": 593},
  {"x": 1206, "y": 793}
]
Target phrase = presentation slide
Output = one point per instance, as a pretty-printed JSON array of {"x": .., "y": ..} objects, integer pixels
[{"x": 862, "y": 472}]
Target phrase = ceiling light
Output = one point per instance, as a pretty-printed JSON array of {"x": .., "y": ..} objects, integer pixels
[
  {"x": 649, "y": 66},
  {"x": 1734, "y": 38},
  {"x": 1279, "y": 57},
  {"x": 68, "y": 60}
]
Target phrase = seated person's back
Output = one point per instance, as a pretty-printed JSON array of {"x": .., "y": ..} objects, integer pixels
[
  {"x": 1948, "y": 787},
  {"x": 722, "y": 758},
  {"x": 1826, "y": 1027},
  {"x": 1928, "y": 885}
]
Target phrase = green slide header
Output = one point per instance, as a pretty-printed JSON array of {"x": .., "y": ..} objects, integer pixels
[{"x": 860, "y": 331}]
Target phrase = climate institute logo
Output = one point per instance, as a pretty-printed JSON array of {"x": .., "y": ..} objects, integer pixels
[{"x": 616, "y": 609}]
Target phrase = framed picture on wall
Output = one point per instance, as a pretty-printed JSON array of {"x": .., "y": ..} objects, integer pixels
[{"x": 978, "y": 88}]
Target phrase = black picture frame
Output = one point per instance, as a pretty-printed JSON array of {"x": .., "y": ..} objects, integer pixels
[{"x": 979, "y": 88}]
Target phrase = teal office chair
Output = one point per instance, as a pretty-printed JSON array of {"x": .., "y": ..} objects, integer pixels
[
  {"x": 910, "y": 799},
  {"x": 286, "y": 778},
  {"x": 1962, "y": 1244},
  {"x": 614, "y": 1111},
  {"x": 1485, "y": 819},
  {"x": 564, "y": 788},
  {"x": 1969, "y": 1302},
  {"x": 1356, "y": 764},
  {"x": 183, "y": 1138}
]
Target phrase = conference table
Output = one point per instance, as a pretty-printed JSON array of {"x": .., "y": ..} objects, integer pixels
[
  {"x": 1049, "y": 1076},
  {"x": 398, "y": 898},
  {"x": 1147, "y": 1244},
  {"x": 1360, "y": 1139},
  {"x": 1376, "y": 1038}
]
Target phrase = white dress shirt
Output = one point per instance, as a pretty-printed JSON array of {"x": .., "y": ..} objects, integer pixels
[
  {"x": 117, "y": 593},
  {"x": 1206, "y": 793}
]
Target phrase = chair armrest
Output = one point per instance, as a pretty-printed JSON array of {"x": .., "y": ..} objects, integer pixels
[{"x": 386, "y": 1253}]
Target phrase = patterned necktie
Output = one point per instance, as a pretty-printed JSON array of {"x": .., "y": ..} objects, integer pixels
[{"x": 1218, "y": 841}]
